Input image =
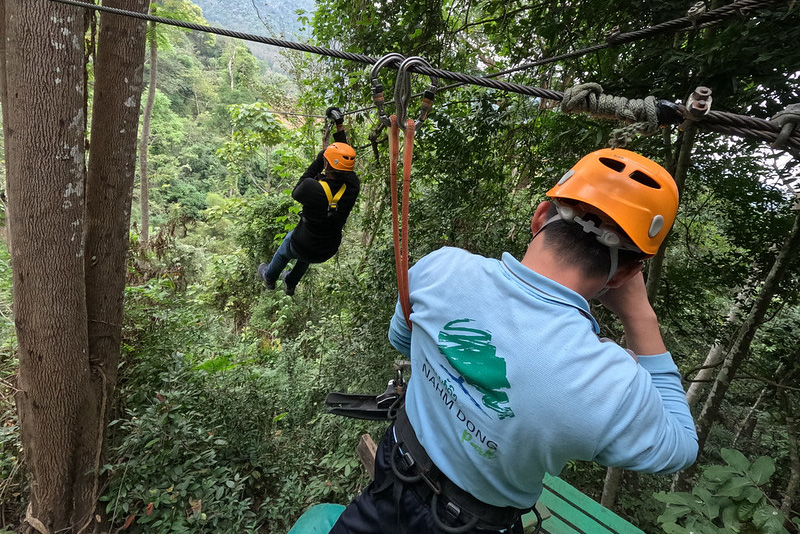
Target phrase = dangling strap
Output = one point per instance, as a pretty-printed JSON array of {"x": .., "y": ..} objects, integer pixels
[
  {"x": 333, "y": 200},
  {"x": 401, "y": 246}
]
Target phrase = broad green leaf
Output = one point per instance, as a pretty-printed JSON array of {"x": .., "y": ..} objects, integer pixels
[
  {"x": 718, "y": 473},
  {"x": 761, "y": 470},
  {"x": 673, "y": 513},
  {"x": 735, "y": 459},
  {"x": 735, "y": 487},
  {"x": 745, "y": 511},
  {"x": 729, "y": 517},
  {"x": 769, "y": 519},
  {"x": 753, "y": 494},
  {"x": 672, "y": 528}
]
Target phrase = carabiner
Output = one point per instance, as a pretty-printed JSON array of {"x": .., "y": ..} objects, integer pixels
[
  {"x": 377, "y": 86},
  {"x": 402, "y": 91}
]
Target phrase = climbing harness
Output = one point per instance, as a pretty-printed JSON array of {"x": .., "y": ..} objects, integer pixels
[
  {"x": 333, "y": 200},
  {"x": 398, "y": 121},
  {"x": 454, "y": 510}
]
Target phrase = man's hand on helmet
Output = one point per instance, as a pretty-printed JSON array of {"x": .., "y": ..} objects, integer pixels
[{"x": 335, "y": 114}]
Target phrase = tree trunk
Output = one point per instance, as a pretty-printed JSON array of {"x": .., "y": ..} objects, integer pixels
[
  {"x": 794, "y": 456},
  {"x": 45, "y": 122},
  {"x": 741, "y": 345},
  {"x": 4, "y": 107},
  {"x": 230, "y": 64},
  {"x": 119, "y": 69},
  {"x": 147, "y": 115},
  {"x": 611, "y": 487},
  {"x": 705, "y": 376},
  {"x": 747, "y": 425}
]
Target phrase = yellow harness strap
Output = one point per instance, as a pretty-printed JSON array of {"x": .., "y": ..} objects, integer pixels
[{"x": 333, "y": 200}]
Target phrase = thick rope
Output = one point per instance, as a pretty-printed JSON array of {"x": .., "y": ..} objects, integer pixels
[
  {"x": 787, "y": 120},
  {"x": 589, "y": 98}
]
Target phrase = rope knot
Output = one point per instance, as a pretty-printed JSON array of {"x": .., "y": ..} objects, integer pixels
[
  {"x": 589, "y": 97},
  {"x": 787, "y": 120}
]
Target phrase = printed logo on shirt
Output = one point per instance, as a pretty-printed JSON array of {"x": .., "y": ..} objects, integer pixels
[
  {"x": 475, "y": 359},
  {"x": 472, "y": 433}
]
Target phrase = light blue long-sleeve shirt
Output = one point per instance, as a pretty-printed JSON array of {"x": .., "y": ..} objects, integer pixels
[{"x": 510, "y": 381}]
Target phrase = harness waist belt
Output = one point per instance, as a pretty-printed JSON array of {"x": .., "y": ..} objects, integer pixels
[{"x": 437, "y": 488}]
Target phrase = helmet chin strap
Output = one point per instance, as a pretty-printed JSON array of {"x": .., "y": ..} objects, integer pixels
[{"x": 604, "y": 236}]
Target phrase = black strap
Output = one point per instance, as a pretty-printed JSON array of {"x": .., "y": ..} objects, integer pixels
[{"x": 455, "y": 511}]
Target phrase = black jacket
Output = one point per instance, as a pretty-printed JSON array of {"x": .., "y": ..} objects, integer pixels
[{"x": 319, "y": 233}]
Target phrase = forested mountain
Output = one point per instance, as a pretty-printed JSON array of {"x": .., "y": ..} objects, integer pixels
[
  {"x": 198, "y": 407},
  {"x": 257, "y": 16},
  {"x": 274, "y": 18}
]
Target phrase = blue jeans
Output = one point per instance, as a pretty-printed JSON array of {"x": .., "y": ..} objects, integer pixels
[{"x": 283, "y": 255}]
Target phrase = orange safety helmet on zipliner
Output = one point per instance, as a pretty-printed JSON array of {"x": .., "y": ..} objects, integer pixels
[
  {"x": 340, "y": 156},
  {"x": 638, "y": 194}
]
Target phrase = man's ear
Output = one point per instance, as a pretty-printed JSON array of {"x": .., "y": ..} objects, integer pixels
[
  {"x": 540, "y": 216},
  {"x": 624, "y": 273}
]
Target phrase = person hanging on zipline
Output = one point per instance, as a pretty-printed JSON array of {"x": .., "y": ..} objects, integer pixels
[
  {"x": 328, "y": 191},
  {"x": 510, "y": 377}
]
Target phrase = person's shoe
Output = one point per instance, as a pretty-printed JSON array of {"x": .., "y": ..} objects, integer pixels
[
  {"x": 262, "y": 273},
  {"x": 289, "y": 290}
]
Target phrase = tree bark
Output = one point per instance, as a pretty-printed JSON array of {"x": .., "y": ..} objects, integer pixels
[
  {"x": 4, "y": 106},
  {"x": 794, "y": 456},
  {"x": 70, "y": 229},
  {"x": 230, "y": 64},
  {"x": 683, "y": 161},
  {"x": 144, "y": 143},
  {"x": 45, "y": 123},
  {"x": 119, "y": 71},
  {"x": 747, "y": 425}
]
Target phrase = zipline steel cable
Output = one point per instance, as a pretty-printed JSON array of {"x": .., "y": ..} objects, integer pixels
[{"x": 715, "y": 121}]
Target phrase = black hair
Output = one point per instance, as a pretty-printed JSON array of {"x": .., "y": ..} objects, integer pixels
[
  {"x": 335, "y": 174},
  {"x": 582, "y": 249}
]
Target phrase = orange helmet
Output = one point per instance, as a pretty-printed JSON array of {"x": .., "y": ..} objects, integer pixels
[
  {"x": 638, "y": 194},
  {"x": 340, "y": 156}
]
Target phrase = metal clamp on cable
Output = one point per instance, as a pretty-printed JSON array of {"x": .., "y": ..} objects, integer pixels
[
  {"x": 402, "y": 92},
  {"x": 697, "y": 106}
]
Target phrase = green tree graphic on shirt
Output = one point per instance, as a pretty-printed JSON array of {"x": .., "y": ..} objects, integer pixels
[{"x": 472, "y": 355}]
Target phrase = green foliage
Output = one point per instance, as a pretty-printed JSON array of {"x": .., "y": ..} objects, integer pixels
[
  {"x": 727, "y": 499},
  {"x": 219, "y": 421},
  {"x": 183, "y": 465},
  {"x": 255, "y": 129}
]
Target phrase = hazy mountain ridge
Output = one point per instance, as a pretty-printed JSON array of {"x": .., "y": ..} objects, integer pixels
[
  {"x": 270, "y": 18},
  {"x": 260, "y": 17}
]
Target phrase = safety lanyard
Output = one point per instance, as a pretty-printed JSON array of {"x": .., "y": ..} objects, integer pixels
[
  {"x": 402, "y": 95},
  {"x": 401, "y": 243},
  {"x": 333, "y": 200}
]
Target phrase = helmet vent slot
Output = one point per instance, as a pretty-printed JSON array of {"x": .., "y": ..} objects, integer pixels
[
  {"x": 644, "y": 179},
  {"x": 613, "y": 164}
]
